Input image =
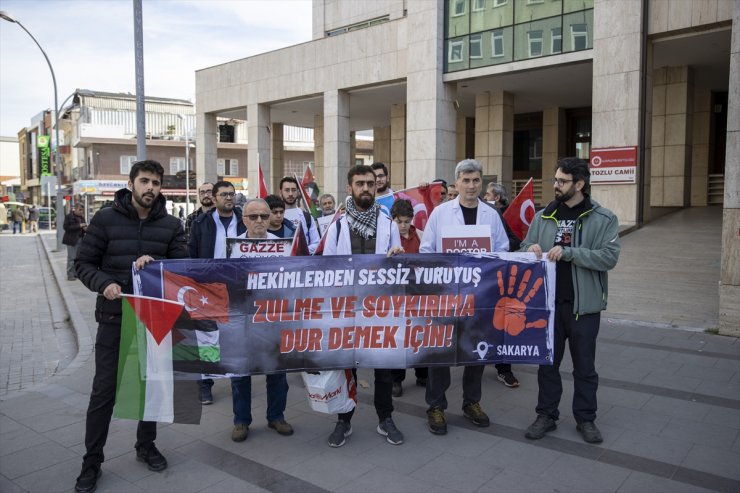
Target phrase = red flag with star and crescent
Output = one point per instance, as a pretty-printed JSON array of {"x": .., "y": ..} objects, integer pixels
[
  {"x": 203, "y": 301},
  {"x": 521, "y": 211}
]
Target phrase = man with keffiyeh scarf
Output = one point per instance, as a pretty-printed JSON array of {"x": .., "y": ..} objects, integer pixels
[{"x": 364, "y": 230}]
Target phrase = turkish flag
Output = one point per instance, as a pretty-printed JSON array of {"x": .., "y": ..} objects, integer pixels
[
  {"x": 203, "y": 301},
  {"x": 299, "y": 247},
  {"x": 521, "y": 211},
  {"x": 424, "y": 200},
  {"x": 263, "y": 186}
]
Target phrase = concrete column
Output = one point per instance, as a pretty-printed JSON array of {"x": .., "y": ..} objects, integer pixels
[
  {"x": 206, "y": 147},
  {"x": 494, "y": 134},
  {"x": 397, "y": 165},
  {"x": 382, "y": 144},
  {"x": 553, "y": 148},
  {"x": 277, "y": 171},
  {"x": 615, "y": 106},
  {"x": 700, "y": 147},
  {"x": 729, "y": 284},
  {"x": 352, "y": 147},
  {"x": 431, "y": 115},
  {"x": 336, "y": 142},
  {"x": 260, "y": 143},
  {"x": 318, "y": 150},
  {"x": 671, "y": 136}
]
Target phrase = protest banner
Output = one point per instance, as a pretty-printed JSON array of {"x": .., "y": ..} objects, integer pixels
[
  {"x": 309, "y": 313},
  {"x": 258, "y": 247}
]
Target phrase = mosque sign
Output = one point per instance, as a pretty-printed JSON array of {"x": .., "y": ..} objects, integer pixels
[{"x": 613, "y": 165}]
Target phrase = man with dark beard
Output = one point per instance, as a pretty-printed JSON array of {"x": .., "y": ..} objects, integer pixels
[
  {"x": 382, "y": 179},
  {"x": 364, "y": 230},
  {"x": 136, "y": 229},
  {"x": 205, "y": 194},
  {"x": 583, "y": 238},
  {"x": 289, "y": 193}
]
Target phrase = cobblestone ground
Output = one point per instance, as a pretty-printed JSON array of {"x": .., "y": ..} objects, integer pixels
[{"x": 35, "y": 339}]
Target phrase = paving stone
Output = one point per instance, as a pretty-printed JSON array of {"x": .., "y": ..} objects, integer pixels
[
  {"x": 329, "y": 471},
  {"x": 676, "y": 407},
  {"x": 637, "y": 420},
  {"x": 641, "y": 444},
  {"x": 581, "y": 473},
  {"x": 186, "y": 477},
  {"x": 455, "y": 472},
  {"x": 714, "y": 460},
  {"x": 33, "y": 459},
  {"x": 20, "y": 439},
  {"x": 234, "y": 485},
  {"x": 381, "y": 479},
  {"x": 517, "y": 482},
  {"x": 639, "y": 482},
  {"x": 699, "y": 433}
]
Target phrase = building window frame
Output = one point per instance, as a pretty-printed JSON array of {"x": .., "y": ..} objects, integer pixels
[
  {"x": 478, "y": 39},
  {"x": 535, "y": 2},
  {"x": 556, "y": 35},
  {"x": 227, "y": 167},
  {"x": 497, "y": 35},
  {"x": 478, "y": 5},
  {"x": 499, "y": 3},
  {"x": 125, "y": 163},
  {"x": 579, "y": 35},
  {"x": 177, "y": 164},
  {"x": 456, "y": 51},
  {"x": 534, "y": 40},
  {"x": 458, "y": 7}
]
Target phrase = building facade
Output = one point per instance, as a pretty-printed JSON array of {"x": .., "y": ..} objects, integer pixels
[{"x": 515, "y": 84}]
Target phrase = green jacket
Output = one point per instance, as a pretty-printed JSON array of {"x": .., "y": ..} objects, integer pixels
[{"x": 593, "y": 252}]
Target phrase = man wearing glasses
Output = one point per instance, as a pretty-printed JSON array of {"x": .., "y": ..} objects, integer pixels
[
  {"x": 583, "y": 238},
  {"x": 205, "y": 195},
  {"x": 208, "y": 240},
  {"x": 381, "y": 179}
]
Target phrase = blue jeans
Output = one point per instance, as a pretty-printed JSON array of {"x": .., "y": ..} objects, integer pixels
[{"x": 241, "y": 396}]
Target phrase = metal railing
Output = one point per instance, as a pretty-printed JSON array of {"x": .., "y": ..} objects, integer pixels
[{"x": 716, "y": 190}]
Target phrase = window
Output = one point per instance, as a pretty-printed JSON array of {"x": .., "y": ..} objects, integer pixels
[
  {"x": 499, "y": 3},
  {"x": 579, "y": 36},
  {"x": 535, "y": 43},
  {"x": 227, "y": 167},
  {"x": 534, "y": 2},
  {"x": 126, "y": 163},
  {"x": 497, "y": 43},
  {"x": 479, "y": 5},
  {"x": 556, "y": 45},
  {"x": 458, "y": 7},
  {"x": 177, "y": 164},
  {"x": 476, "y": 46},
  {"x": 455, "y": 53}
]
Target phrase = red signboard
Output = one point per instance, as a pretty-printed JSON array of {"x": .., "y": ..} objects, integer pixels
[{"x": 613, "y": 165}]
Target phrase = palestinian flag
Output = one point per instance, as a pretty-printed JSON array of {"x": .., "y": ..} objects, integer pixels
[
  {"x": 147, "y": 388},
  {"x": 307, "y": 202}
]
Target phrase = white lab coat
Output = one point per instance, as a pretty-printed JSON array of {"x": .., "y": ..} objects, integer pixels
[
  {"x": 450, "y": 213},
  {"x": 386, "y": 237}
]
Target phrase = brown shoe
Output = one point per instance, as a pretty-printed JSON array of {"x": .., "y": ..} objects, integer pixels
[
  {"x": 281, "y": 426},
  {"x": 240, "y": 432}
]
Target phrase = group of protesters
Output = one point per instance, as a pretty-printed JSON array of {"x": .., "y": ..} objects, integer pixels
[{"x": 573, "y": 230}]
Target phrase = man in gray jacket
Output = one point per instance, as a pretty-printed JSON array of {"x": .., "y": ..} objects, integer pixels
[{"x": 583, "y": 238}]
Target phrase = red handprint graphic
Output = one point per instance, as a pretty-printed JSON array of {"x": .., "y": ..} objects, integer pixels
[{"x": 510, "y": 314}]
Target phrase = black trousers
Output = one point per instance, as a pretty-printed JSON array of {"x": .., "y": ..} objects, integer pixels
[
  {"x": 439, "y": 382},
  {"x": 399, "y": 375},
  {"x": 383, "y": 397},
  {"x": 103, "y": 396},
  {"x": 581, "y": 335}
]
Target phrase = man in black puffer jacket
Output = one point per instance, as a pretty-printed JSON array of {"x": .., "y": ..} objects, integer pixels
[{"x": 136, "y": 229}]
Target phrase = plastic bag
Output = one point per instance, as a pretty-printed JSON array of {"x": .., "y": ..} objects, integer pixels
[{"x": 331, "y": 392}]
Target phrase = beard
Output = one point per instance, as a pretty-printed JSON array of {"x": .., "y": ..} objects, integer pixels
[
  {"x": 139, "y": 199},
  {"x": 364, "y": 201},
  {"x": 382, "y": 190},
  {"x": 290, "y": 200},
  {"x": 206, "y": 202},
  {"x": 565, "y": 196}
]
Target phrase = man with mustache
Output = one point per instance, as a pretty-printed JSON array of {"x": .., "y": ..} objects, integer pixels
[
  {"x": 364, "y": 230},
  {"x": 289, "y": 193},
  {"x": 205, "y": 194},
  {"x": 583, "y": 238},
  {"x": 136, "y": 229}
]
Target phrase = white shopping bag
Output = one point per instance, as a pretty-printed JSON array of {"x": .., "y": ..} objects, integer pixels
[{"x": 331, "y": 392}]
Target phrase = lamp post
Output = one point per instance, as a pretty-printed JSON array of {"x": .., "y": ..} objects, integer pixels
[
  {"x": 184, "y": 120},
  {"x": 60, "y": 199}
]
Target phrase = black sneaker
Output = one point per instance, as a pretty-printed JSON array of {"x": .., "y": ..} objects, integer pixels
[
  {"x": 589, "y": 432},
  {"x": 397, "y": 389},
  {"x": 340, "y": 433},
  {"x": 507, "y": 378},
  {"x": 388, "y": 429},
  {"x": 154, "y": 460},
  {"x": 436, "y": 421},
  {"x": 206, "y": 396},
  {"x": 476, "y": 415},
  {"x": 540, "y": 427},
  {"x": 87, "y": 481}
]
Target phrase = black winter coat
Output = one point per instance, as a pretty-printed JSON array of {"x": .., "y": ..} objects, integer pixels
[
  {"x": 115, "y": 238},
  {"x": 202, "y": 240}
]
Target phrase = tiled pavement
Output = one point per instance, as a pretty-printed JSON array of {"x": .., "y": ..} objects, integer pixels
[{"x": 669, "y": 408}]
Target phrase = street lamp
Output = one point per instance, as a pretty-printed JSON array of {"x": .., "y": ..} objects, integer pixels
[
  {"x": 60, "y": 199},
  {"x": 184, "y": 120}
]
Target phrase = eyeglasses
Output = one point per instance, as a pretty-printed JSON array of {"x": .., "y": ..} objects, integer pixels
[
  {"x": 380, "y": 175},
  {"x": 254, "y": 217},
  {"x": 560, "y": 182},
  {"x": 206, "y": 192},
  {"x": 226, "y": 195}
]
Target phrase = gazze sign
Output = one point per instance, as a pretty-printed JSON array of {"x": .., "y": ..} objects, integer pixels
[
  {"x": 613, "y": 165},
  {"x": 42, "y": 142}
]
